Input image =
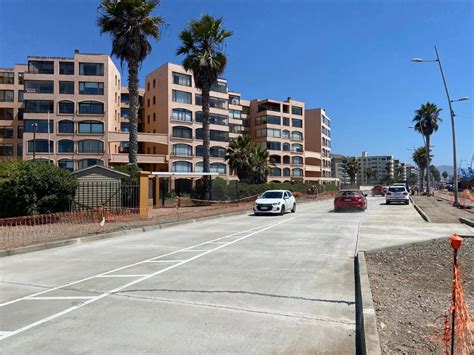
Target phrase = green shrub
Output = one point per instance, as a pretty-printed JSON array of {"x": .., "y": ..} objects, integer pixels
[{"x": 28, "y": 188}]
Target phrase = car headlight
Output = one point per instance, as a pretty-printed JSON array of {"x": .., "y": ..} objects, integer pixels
[{"x": 276, "y": 204}]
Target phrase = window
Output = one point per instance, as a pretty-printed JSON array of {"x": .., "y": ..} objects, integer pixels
[
  {"x": 286, "y": 134},
  {"x": 19, "y": 149},
  {"x": 66, "y": 68},
  {"x": 91, "y": 88},
  {"x": 182, "y": 132},
  {"x": 20, "y": 132},
  {"x": 91, "y": 107},
  {"x": 7, "y": 78},
  {"x": 89, "y": 162},
  {"x": 6, "y": 150},
  {"x": 297, "y": 136},
  {"x": 21, "y": 111},
  {"x": 154, "y": 100},
  {"x": 297, "y": 123},
  {"x": 66, "y": 127},
  {"x": 21, "y": 95},
  {"x": 94, "y": 69},
  {"x": 182, "y": 97},
  {"x": 180, "y": 114},
  {"x": 65, "y": 146},
  {"x": 235, "y": 128},
  {"x": 215, "y": 102},
  {"x": 125, "y": 98},
  {"x": 219, "y": 87},
  {"x": 298, "y": 172},
  {"x": 235, "y": 114},
  {"x": 154, "y": 82},
  {"x": 297, "y": 148},
  {"x": 286, "y": 121},
  {"x": 40, "y": 86},
  {"x": 41, "y": 146},
  {"x": 214, "y": 118},
  {"x": 267, "y": 119},
  {"x": 181, "y": 79},
  {"x": 40, "y": 67},
  {"x": 234, "y": 99},
  {"x": 182, "y": 167},
  {"x": 125, "y": 112},
  {"x": 90, "y": 146},
  {"x": 6, "y": 132},
  {"x": 6, "y": 95},
  {"x": 91, "y": 127},
  {"x": 6, "y": 113},
  {"x": 41, "y": 126},
  {"x": 66, "y": 107},
  {"x": 295, "y": 110},
  {"x": 286, "y": 147},
  {"x": 286, "y": 172},
  {"x": 182, "y": 150},
  {"x": 220, "y": 136},
  {"x": 125, "y": 127},
  {"x": 275, "y": 172},
  {"x": 217, "y": 152},
  {"x": 218, "y": 168},
  {"x": 271, "y": 132},
  {"x": 21, "y": 78},
  {"x": 297, "y": 160},
  {"x": 39, "y": 106},
  {"x": 66, "y": 164},
  {"x": 273, "y": 145}
]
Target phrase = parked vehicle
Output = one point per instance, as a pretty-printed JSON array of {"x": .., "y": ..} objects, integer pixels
[
  {"x": 397, "y": 194},
  {"x": 350, "y": 199},
  {"x": 378, "y": 190},
  {"x": 275, "y": 202}
]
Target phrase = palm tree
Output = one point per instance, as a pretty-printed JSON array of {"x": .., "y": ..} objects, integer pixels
[
  {"x": 259, "y": 164},
  {"x": 419, "y": 157},
  {"x": 202, "y": 43},
  {"x": 445, "y": 175},
  {"x": 351, "y": 168},
  {"x": 426, "y": 123},
  {"x": 238, "y": 156},
  {"x": 130, "y": 23},
  {"x": 369, "y": 173}
]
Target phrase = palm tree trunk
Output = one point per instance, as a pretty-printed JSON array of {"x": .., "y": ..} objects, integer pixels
[
  {"x": 205, "y": 139},
  {"x": 133, "y": 115},
  {"x": 428, "y": 187}
]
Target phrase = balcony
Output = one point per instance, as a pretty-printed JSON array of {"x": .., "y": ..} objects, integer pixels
[
  {"x": 269, "y": 106},
  {"x": 142, "y": 158},
  {"x": 158, "y": 138}
]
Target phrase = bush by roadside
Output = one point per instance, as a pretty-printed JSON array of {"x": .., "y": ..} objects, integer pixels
[{"x": 28, "y": 188}]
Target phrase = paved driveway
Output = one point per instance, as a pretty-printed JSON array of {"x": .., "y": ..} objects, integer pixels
[{"x": 238, "y": 284}]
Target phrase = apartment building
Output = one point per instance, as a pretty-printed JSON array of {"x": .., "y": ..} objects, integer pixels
[
  {"x": 338, "y": 163},
  {"x": 278, "y": 126},
  {"x": 380, "y": 167},
  {"x": 11, "y": 111},
  {"x": 173, "y": 107}
]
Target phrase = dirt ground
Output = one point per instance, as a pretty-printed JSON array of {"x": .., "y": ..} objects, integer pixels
[
  {"x": 440, "y": 210},
  {"x": 411, "y": 287}
]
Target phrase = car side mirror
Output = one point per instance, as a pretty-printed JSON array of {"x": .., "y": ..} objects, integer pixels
[{"x": 365, "y": 195}]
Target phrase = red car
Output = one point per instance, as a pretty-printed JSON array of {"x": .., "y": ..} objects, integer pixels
[
  {"x": 378, "y": 190},
  {"x": 350, "y": 199}
]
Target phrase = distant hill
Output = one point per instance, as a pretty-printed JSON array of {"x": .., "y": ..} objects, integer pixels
[{"x": 447, "y": 168}]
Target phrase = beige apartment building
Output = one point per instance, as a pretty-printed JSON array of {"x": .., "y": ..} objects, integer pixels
[
  {"x": 11, "y": 112},
  {"x": 172, "y": 106}
]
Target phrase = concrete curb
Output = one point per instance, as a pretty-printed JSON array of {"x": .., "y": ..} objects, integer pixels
[
  {"x": 467, "y": 221},
  {"x": 121, "y": 233},
  {"x": 367, "y": 341},
  {"x": 420, "y": 211}
]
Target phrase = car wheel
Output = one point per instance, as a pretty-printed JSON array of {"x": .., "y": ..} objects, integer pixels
[
  {"x": 387, "y": 202},
  {"x": 407, "y": 203},
  {"x": 336, "y": 209},
  {"x": 256, "y": 214},
  {"x": 293, "y": 210},
  {"x": 282, "y": 212}
]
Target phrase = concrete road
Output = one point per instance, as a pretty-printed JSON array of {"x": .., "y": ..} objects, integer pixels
[{"x": 239, "y": 284}]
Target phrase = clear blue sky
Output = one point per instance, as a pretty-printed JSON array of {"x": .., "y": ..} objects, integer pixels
[{"x": 350, "y": 57}]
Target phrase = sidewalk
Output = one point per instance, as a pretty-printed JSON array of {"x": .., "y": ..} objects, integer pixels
[{"x": 440, "y": 210}]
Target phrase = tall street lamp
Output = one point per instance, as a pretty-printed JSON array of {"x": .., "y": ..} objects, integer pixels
[
  {"x": 451, "y": 112},
  {"x": 35, "y": 128}
]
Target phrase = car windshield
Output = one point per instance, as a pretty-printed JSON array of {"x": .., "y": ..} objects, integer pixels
[
  {"x": 349, "y": 193},
  {"x": 272, "y": 194},
  {"x": 396, "y": 189}
]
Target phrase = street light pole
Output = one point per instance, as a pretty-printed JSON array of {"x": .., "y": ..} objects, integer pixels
[{"x": 453, "y": 131}]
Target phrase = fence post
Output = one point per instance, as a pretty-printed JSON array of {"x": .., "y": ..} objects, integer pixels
[
  {"x": 157, "y": 192},
  {"x": 143, "y": 195}
]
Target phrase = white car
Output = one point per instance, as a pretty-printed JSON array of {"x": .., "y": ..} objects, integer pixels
[
  {"x": 275, "y": 201},
  {"x": 396, "y": 193}
]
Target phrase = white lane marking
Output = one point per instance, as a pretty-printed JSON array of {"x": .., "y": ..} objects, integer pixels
[
  {"x": 196, "y": 249},
  {"x": 117, "y": 269},
  {"x": 163, "y": 261},
  {"x": 4, "y": 333},
  {"x": 124, "y": 275},
  {"x": 117, "y": 289},
  {"x": 60, "y": 298}
]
